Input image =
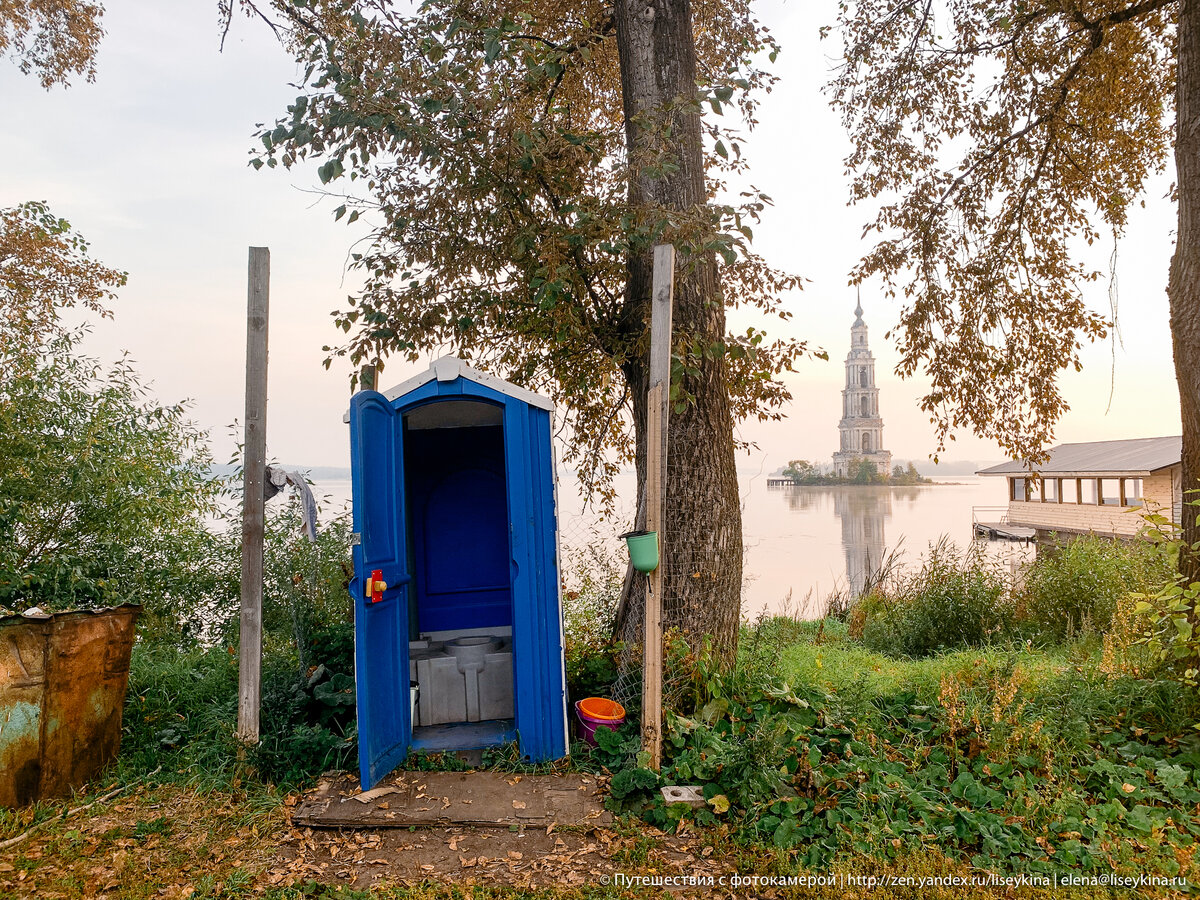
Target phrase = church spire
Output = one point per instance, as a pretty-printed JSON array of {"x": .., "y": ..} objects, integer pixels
[{"x": 858, "y": 311}]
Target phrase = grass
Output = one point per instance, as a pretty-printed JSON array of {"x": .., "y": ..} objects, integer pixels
[
  {"x": 173, "y": 842},
  {"x": 1009, "y": 758},
  {"x": 152, "y": 841},
  {"x": 825, "y": 656}
]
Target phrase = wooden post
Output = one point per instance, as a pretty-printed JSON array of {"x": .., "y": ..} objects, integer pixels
[
  {"x": 658, "y": 405},
  {"x": 253, "y": 505},
  {"x": 366, "y": 378}
]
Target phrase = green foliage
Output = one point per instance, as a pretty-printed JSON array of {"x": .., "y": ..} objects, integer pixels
[
  {"x": 1075, "y": 588},
  {"x": 308, "y": 724},
  {"x": 865, "y": 472},
  {"x": 1171, "y": 633},
  {"x": 181, "y": 708},
  {"x": 333, "y": 644},
  {"x": 801, "y": 471},
  {"x": 305, "y": 583},
  {"x": 1170, "y": 614},
  {"x": 908, "y": 475},
  {"x": 103, "y": 492},
  {"x": 1060, "y": 770},
  {"x": 536, "y": 202},
  {"x": 963, "y": 599},
  {"x": 590, "y": 597},
  {"x": 180, "y": 712},
  {"x": 861, "y": 471},
  {"x": 957, "y": 599}
]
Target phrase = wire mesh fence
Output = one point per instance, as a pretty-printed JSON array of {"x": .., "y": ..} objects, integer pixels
[{"x": 700, "y": 564}]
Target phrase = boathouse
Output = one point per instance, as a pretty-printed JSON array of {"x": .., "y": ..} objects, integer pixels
[{"x": 1101, "y": 487}]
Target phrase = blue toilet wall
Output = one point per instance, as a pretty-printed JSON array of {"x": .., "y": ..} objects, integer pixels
[
  {"x": 533, "y": 582},
  {"x": 458, "y": 510}
]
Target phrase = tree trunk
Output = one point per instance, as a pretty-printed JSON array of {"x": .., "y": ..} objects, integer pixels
[
  {"x": 702, "y": 543},
  {"x": 1184, "y": 287}
]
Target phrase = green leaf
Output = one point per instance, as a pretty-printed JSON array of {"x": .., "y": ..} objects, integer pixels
[
  {"x": 629, "y": 781},
  {"x": 719, "y": 804},
  {"x": 331, "y": 170},
  {"x": 785, "y": 834}
]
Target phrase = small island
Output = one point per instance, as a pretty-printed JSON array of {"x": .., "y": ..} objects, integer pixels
[{"x": 861, "y": 471}]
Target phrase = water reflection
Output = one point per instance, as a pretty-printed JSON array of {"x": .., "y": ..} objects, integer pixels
[
  {"x": 862, "y": 513},
  {"x": 865, "y": 523}
]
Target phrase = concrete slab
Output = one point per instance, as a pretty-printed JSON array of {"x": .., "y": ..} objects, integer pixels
[{"x": 487, "y": 799}]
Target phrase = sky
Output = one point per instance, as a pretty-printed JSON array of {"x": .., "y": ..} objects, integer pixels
[{"x": 149, "y": 163}]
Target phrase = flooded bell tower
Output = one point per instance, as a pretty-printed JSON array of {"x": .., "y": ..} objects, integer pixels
[{"x": 861, "y": 427}]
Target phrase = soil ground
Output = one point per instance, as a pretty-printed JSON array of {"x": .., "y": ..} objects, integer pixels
[
  {"x": 522, "y": 858},
  {"x": 174, "y": 843}
]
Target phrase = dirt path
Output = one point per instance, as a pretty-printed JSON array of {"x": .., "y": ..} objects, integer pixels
[
  {"x": 525, "y": 858},
  {"x": 173, "y": 843}
]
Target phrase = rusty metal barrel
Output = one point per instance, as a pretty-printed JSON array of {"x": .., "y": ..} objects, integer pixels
[{"x": 62, "y": 686}]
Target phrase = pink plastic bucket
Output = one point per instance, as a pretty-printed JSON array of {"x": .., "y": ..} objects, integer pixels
[{"x": 596, "y": 712}]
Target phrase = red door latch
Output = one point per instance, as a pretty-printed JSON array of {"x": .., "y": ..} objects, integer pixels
[{"x": 376, "y": 586}]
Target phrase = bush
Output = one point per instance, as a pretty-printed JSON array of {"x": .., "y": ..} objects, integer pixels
[
  {"x": 590, "y": 597},
  {"x": 1074, "y": 589},
  {"x": 180, "y": 711},
  {"x": 181, "y": 714},
  {"x": 958, "y": 599},
  {"x": 981, "y": 768},
  {"x": 308, "y": 723},
  {"x": 103, "y": 492}
]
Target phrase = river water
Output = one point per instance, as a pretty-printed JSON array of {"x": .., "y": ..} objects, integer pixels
[{"x": 801, "y": 543}]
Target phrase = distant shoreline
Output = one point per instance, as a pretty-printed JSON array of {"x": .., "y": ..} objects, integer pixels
[{"x": 784, "y": 482}]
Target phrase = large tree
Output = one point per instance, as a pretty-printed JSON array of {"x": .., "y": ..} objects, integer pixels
[
  {"x": 520, "y": 161},
  {"x": 997, "y": 139}
]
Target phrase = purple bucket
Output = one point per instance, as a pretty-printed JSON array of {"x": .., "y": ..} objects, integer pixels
[{"x": 597, "y": 712}]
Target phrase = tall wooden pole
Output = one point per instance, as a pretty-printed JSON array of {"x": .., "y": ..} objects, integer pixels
[
  {"x": 366, "y": 378},
  {"x": 253, "y": 504},
  {"x": 657, "y": 414}
]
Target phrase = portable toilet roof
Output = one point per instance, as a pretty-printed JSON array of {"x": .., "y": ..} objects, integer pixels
[
  {"x": 448, "y": 368},
  {"x": 456, "y": 569}
]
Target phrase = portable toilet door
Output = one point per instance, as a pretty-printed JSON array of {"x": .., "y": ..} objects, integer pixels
[{"x": 456, "y": 579}]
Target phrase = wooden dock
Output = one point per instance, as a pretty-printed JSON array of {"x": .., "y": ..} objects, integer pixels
[{"x": 1002, "y": 531}]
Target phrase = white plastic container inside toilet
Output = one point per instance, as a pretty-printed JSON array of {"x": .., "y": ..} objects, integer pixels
[{"x": 463, "y": 678}]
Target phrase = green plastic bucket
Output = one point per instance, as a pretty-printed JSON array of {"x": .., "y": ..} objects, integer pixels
[{"x": 643, "y": 549}]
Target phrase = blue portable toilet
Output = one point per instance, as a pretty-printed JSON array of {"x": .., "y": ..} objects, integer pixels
[{"x": 455, "y": 513}]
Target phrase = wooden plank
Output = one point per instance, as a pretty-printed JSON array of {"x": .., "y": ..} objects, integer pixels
[
  {"x": 657, "y": 418},
  {"x": 366, "y": 378},
  {"x": 437, "y": 799},
  {"x": 255, "y": 464},
  {"x": 660, "y": 316},
  {"x": 652, "y": 648}
]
